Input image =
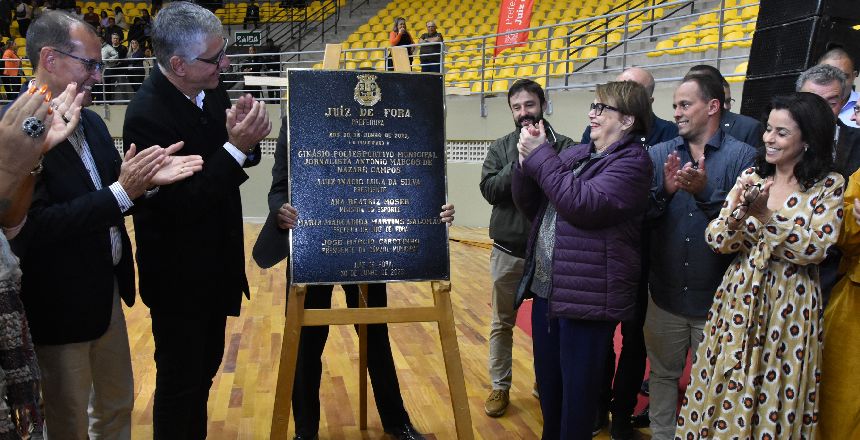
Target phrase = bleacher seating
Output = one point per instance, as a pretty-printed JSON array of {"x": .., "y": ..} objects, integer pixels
[
  {"x": 470, "y": 19},
  {"x": 739, "y": 20},
  {"x": 271, "y": 11},
  {"x": 571, "y": 38}
]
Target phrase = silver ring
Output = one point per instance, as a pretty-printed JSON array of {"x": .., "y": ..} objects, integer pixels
[{"x": 33, "y": 127}]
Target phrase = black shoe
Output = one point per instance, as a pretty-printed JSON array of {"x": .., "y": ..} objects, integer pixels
[
  {"x": 641, "y": 420},
  {"x": 622, "y": 429},
  {"x": 645, "y": 388},
  {"x": 404, "y": 432},
  {"x": 306, "y": 437},
  {"x": 599, "y": 423}
]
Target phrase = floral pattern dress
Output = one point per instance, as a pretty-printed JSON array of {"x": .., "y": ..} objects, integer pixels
[{"x": 757, "y": 372}]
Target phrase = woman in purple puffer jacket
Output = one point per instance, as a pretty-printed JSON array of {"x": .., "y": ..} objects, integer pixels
[{"x": 586, "y": 205}]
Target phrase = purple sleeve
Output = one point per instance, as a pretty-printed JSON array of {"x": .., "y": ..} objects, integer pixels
[{"x": 618, "y": 191}]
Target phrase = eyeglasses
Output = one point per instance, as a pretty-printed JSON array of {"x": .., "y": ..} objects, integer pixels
[
  {"x": 751, "y": 193},
  {"x": 598, "y": 108},
  {"x": 216, "y": 60},
  {"x": 91, "y": 65}
]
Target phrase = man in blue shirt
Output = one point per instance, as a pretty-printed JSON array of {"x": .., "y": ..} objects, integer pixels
[{"x": 693, "y": 173}]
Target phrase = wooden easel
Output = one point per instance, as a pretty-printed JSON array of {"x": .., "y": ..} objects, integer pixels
[{"x": 441, "y": 313}]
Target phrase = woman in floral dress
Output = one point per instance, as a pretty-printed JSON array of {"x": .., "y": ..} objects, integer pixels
[{"x": 756, "y": 373}]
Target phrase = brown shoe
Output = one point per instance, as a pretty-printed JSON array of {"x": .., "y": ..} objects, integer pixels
[{"x": 497, "y": 403}]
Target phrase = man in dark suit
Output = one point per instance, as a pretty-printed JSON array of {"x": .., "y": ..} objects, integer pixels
[
  {"x": 740, "y": 127},
  {"x": 190, "y": 249},
  {"x": 74, "y": 249},
  {"x": 833, "y": 86}
]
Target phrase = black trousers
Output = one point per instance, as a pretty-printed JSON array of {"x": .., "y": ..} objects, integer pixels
[
  {"x": 619, "y": 396},
  {"x": 380, "y": 363},
  {"x": 188, "y": 353}
]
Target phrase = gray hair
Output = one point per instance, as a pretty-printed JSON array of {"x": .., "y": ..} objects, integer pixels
[
  {"x": 180, "y": 29},
  {"x": 823, "y": 74},
  {"x": 52, "y": 28}
]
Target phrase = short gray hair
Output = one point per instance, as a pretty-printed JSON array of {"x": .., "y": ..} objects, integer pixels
[
  {"x": 52, "y": 28},
  {"x": 823, "y": 74},
  {"x": 180, "y": 29}
]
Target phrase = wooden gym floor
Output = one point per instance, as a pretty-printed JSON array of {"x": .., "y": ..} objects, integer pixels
[{"x": 241, "y": 399}]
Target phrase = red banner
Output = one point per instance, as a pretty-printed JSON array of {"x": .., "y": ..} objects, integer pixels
[{"x": 513, "y": 15}]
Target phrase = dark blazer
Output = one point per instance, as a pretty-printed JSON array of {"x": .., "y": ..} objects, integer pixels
[
  {"x": 190, "y": 250},
  {"x": 742, "y": 128},
  {"x": 272, "y": 244},
  {"x": 65, "y": 249},
  {"x": 847, "y": 150}
]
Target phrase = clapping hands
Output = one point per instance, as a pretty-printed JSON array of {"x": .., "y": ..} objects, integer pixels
[
  {"x": 247, "y": 123},
  {"x": 531, "y": 137}
]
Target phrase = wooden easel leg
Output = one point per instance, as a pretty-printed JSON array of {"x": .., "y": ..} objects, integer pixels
[
  {"x": 362, "y": 362},
  {"x": 287, "y": 368},
  {"x": 451, "y": 355}
]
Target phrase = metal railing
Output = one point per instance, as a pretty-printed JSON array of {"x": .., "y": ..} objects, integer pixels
[
  {"x": 303, "y": 26},
  {"x": 567, "y": 55},
  {"x": 355, "y": 5}
]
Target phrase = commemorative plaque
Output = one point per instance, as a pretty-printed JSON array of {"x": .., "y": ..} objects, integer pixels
[{"x": 367, "y": 176}]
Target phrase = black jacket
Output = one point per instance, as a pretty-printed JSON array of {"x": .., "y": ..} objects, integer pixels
[
  {"x": 65, "y": 248},
  {"x": 742, "y": 128},
  {"x": 190, "y": 249},
  {"x": 847, "y": 150}
]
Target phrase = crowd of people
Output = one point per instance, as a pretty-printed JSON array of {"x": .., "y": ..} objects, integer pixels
[
  {"x": 717, "y": 235},
  {"x": 126, "y": 47},
  {"x": 733, "y": 239}
]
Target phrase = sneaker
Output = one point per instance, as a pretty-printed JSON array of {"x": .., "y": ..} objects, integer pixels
[
  {"x": 535, "y": 392},
  {"x": 497, "y": 403}
]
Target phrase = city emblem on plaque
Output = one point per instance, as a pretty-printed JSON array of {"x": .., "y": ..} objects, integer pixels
[{"x": 367, "y": 92}]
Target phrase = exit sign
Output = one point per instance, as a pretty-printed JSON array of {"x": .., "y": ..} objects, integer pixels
[{"x": 250, "y": 38}]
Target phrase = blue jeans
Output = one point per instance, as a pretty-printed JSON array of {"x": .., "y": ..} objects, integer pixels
[{"x": 570, "y": 359}]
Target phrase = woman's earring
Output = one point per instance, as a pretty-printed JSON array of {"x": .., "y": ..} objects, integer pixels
[{"x": 805, "y": 147}]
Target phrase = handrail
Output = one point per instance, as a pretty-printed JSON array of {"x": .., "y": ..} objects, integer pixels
[
  {"x": 627, "y": 20},
  {"x": 357, "y": 4},
  {"x": 298, "y": 23}
]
